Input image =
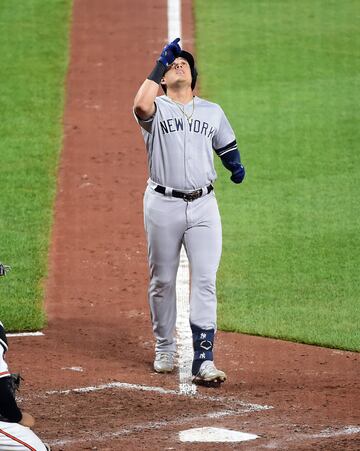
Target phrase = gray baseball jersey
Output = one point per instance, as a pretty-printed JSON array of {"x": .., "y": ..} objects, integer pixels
[
  {"x": 180, "y": 142},
  {"x": 180, "y": 151}
]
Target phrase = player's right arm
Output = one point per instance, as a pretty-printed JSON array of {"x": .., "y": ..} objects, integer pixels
[{"x": 144, "y": 103}]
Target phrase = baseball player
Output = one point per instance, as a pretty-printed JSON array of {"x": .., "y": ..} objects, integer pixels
[
  {"x": 181, "y": 132},
  {"x": 15, "y": 432}
]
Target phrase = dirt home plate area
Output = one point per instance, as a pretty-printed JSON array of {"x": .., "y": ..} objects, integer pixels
[{"x": 89, "y": 380}]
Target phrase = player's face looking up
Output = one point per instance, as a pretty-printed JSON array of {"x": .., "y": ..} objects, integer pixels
[{"x": 179, "y": 72}]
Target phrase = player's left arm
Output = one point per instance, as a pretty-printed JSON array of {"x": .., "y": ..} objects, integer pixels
[{"x": 225, "y": 146}]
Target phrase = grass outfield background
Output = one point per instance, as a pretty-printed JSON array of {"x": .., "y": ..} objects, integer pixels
[
  {"x": 34, "y": 55},
  {"x": 287, "y": 75}
]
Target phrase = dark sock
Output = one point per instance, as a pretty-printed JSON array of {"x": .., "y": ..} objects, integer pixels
[{"x": 203, "y": 342}]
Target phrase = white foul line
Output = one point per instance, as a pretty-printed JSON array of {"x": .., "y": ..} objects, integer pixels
[
  {"x": 183, "y": 331},
  {"x": 174, "y": 19}
]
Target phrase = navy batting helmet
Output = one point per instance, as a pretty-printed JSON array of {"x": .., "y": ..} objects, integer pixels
[{"x": 190, "y": 59}]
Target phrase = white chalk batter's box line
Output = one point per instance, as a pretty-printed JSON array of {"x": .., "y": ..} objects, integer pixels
[
  {"x": 232, "y": 404},
  {"x": 26, "y": 334}
]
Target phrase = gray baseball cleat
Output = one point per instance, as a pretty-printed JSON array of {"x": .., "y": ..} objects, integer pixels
[
  {"x": 164, "y": 362},
  {"x": 209, "y": 375}
]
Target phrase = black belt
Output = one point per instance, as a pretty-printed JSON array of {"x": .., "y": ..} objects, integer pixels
[{"x": 187, "y": 197}]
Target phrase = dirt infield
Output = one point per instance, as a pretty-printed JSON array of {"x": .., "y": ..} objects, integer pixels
[{"x": 89, "y": 380}]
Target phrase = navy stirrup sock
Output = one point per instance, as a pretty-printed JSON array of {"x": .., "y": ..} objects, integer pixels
[{"x": 203, "y": 342}]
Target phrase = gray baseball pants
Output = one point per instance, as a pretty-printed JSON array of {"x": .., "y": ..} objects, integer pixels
[{"x": 169, "y": 223}]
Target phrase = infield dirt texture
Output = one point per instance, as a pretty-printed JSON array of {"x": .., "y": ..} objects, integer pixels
[{"x": 99, "y": 327}]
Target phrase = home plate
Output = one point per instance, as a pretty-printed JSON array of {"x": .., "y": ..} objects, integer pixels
[{"x": 214, "y": 435}]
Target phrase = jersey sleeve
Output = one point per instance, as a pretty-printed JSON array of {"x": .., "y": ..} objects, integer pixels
[
  {"x": 224, "y": 139},
  {"x": 146, "y": 124}
]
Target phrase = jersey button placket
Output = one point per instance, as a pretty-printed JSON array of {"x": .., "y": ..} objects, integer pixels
[{"x": 186, "y": 140}]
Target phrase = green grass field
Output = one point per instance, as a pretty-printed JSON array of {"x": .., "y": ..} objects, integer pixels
[
  {"x": 287, "y": 75},
  {"x": 34, "y": 56}
]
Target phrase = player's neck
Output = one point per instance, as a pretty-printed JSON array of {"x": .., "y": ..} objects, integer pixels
[{"x": 180, "y": 95}]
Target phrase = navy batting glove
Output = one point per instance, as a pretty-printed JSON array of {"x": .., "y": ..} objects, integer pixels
[
  {"x": 170, "y": 52},
  {"x": 238, "y": 175}
]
